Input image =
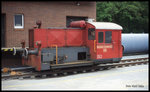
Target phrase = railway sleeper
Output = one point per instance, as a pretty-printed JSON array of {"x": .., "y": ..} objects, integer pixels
[{"x": 72, "y": 71}]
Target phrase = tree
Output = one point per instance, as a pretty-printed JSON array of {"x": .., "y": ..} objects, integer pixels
[{"x": 131, "y": 15}]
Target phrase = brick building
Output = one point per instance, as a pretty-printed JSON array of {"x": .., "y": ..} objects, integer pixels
[{"x": 18, "y": 17}]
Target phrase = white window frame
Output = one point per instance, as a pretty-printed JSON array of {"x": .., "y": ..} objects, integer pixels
[{"x": 17, "y": 27}]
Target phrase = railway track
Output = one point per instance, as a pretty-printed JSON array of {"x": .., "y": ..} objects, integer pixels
[{"x": 29, "y": 73}]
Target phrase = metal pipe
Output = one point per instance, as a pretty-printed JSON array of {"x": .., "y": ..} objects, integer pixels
[
  {"x": 25, "y": 51},
  {"x": 35, "y": 52}
]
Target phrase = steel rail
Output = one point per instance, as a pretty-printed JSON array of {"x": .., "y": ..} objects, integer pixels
[{"x": 68, "y": 71}]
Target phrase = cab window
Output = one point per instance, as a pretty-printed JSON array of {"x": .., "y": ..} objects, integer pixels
[
  {"x": 100, "y": 37},
  {"x": 91, "y": 34},
  {"x": 108, "y": 36}
]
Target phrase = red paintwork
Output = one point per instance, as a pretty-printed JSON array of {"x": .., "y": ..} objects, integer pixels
[
  {"x": 33, "y": 61},
  {"x": 90, "y": 43},
  {"x": 109, "y": 50},
  {"x": 73, "y": 37},
  {"x": 79, "y": 24},
  {"x": 59, "y": 37},
  {"x": 55, "y": 36}
]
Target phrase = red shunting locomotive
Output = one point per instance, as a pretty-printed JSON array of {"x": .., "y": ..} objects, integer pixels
[{"x": 81, "y": 44}]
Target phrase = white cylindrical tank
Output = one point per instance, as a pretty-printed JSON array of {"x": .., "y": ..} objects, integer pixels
[{"x": 135, "y": 42}]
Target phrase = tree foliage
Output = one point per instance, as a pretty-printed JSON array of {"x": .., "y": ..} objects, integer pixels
[{"x": 131, "y": 15}]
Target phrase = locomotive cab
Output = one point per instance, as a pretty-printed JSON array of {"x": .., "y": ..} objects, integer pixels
[{"x": 104, "y": 41}]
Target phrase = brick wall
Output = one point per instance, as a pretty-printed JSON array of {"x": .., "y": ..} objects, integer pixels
[{"x": 52, "y": 14}]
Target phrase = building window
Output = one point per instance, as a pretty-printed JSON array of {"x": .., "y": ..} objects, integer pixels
[
  {"x": 108, "y": 36},
  {"x": 18, "y": 21},
  {"x": 100, "y": 37}
]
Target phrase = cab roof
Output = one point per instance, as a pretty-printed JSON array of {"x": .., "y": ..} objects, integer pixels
[{"x": 106, "y": 25}]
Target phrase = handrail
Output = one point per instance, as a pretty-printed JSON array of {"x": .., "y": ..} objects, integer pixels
[{"x": 94, "y": 45}]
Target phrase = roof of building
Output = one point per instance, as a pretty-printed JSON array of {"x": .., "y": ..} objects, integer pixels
[{"x": 106, "y": 25}]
